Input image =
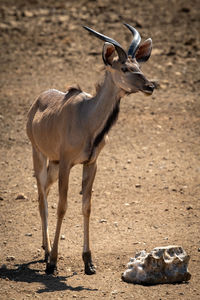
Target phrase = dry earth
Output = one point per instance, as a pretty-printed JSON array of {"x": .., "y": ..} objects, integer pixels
[{"x": 147, "y": 188}]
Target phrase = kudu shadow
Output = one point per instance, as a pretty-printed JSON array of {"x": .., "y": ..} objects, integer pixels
[{"x": 24, "y": 273}]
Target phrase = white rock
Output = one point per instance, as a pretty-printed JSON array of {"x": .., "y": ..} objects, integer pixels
[
  {"x": 103, "y": 221},
  {"x": 162, "y": 265},
  {"x": 28, "y": 234}
]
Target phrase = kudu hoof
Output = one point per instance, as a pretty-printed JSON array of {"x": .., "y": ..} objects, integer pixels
[
  {"x": 51, "y": 269},
  {"x": 89, "y": 267}
]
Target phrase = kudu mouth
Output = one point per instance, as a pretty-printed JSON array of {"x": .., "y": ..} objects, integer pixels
[{"x": 149, "y": 88}]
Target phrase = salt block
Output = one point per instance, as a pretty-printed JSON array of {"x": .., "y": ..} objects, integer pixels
[{"x": 162, "y": 265}]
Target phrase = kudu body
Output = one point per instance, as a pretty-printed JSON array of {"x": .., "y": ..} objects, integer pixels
[{"x": 71, "y": 128}]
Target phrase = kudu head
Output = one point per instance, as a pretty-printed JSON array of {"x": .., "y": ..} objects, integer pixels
[{"x": 125, "y": 69}]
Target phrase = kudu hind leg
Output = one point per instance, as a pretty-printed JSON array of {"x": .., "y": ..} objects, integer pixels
[
  {"x": 64, "y": 170},
  {"x": 40, "y": 168},
  {"x": 52, "y": 174},
  {"x": 89, "y": 172}
]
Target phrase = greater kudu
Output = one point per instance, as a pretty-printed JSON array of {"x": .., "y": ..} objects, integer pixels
[{"x": 70, "y": 128}]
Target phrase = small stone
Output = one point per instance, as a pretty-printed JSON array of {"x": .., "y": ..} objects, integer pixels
[
  {"x": 75, "y": 273},
  {"x": 10, "y": 258},
  {"x": 103, "y": 221},
  {"x": 138, "y": 185},
  {"x": 116, "y": 224},
  {"x": 1, "y": 199},
  {"x": 189, "y": 207},
  {"x": 157, "y": 51},
  {"x": 169, "y": 64},
  {"x": 62, "y": 237},
  {"x": 21, "y": 197},
  {"x": 28, "y": 14},
  {"x": 114, "y": 292},
  {"x": 28, "y": 234},
  {"x": 63, "y": 19}
]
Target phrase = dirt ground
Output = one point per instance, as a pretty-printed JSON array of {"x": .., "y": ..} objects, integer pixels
[{"x": 147, "y": 188}]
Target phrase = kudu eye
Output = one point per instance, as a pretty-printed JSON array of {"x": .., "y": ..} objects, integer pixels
[{"x": 124, "y": 69}]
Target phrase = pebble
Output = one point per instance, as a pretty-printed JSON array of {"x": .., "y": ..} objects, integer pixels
[
  {"x": 138, "y": 185},
  {"x": 28, "y": 234},
  {"x": 1, "y": 199},
  {"x": 114, "y": 292},
  {"x": 28, "y": 14},
  {"x": 189, "y": 207},
  {"x": 63, "y": 18},
  {"x": 75, "y": 273},
  {"x": 21, "y": 197},
  {"x": 62, "y": 237},
  {"x": 10, "y": 258},
  {"x": 103, "y": 221},
  {"x": 157, "y": 51}
]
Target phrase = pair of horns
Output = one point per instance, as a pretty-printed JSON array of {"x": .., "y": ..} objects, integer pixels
[{"x": 121, "y": 52}]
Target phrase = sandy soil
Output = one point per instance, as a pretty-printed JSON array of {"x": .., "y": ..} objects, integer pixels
[{"x": 147, "y": 188}]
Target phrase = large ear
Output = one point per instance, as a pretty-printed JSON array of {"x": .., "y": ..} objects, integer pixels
[
  {"x": 144, "y": 51},
  {"x": 108, "y": 53}
]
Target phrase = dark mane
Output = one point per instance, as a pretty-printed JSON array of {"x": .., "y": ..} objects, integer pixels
[
  {"x": 72, "y": 91},
  {"x": 109, "y": 123}
]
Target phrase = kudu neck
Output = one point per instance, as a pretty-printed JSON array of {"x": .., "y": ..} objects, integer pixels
[
  {"x": 108, "y": 93},
  {"x": 105, "y": 107}
]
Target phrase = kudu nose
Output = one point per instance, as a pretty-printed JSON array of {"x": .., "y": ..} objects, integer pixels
[{"x": 149, "y": 88}]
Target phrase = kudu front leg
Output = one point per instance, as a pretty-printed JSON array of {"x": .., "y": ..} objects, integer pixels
[
  {"x": 64, "y": 171},
  {"x": 89, "y": 172}
]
